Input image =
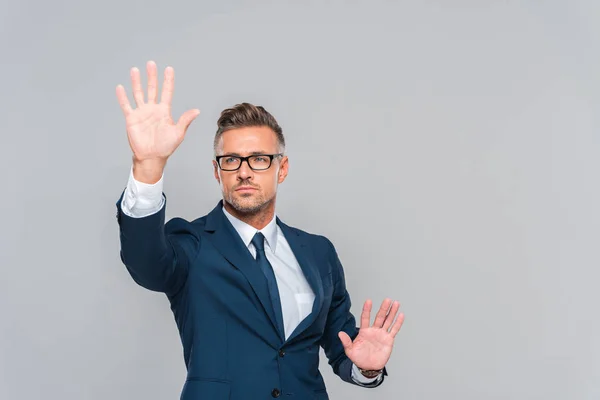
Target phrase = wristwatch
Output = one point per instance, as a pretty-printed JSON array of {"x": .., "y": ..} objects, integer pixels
[{"x": 370, "y": 373}]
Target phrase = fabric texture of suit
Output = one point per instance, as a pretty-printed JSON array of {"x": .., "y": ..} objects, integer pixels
[{"x": 220, "y": 301}]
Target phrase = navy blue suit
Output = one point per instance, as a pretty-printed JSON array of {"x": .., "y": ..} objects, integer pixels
[{"x": 220, "y": 301}]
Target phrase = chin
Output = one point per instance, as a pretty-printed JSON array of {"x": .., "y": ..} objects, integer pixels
[{"x": 247, "y": 204}]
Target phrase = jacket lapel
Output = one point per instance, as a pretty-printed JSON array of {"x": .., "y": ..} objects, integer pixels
[
  {"x": 229, "y": 243},
  {"x": 303, "y": 254}
]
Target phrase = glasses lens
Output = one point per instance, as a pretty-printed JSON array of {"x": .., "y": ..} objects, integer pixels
[
  {"x": 260, "y": 162},
  {"x": 229, "y": 163}
]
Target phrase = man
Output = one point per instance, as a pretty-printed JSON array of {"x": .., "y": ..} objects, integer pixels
[{"x": 253, "y": 298}]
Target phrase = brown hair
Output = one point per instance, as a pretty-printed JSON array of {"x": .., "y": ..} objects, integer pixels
[{"x": 245, "y": 115}]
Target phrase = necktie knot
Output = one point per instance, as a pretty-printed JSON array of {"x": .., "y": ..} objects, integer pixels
[{"x": 259, "y": 241}]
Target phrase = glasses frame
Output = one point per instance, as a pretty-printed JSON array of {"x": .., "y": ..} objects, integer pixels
[{"x": 247, "y": 159}]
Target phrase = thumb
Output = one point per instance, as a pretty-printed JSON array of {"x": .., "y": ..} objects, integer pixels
[
  {"x": 346, "y": 341},
  {"x": 186, "y": 119}
]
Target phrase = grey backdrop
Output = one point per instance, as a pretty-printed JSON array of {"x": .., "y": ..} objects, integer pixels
[{"x": 449, "y": 149}]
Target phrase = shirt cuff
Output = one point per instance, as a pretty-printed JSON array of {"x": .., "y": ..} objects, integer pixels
[
  {"x": 360, "y": 378},
  {"x": 142, "y": 199}
]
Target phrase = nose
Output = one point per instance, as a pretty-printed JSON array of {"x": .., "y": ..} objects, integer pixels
[{"x": 244, "y": 172}]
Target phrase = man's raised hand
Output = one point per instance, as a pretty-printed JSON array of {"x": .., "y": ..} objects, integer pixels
[{"x": 153, "y": 136}]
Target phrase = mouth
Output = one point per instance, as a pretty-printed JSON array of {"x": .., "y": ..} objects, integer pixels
[{"x": 244, "y": 189}]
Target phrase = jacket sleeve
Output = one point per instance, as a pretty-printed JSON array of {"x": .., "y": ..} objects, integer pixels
[
  {"x": 157, "y": 255},
  {"x": 341, "y": 319}
]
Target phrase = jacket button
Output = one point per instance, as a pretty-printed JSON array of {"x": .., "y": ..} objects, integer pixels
[
  {"x": 281, "y": 353},
  {"x": 275, "y": 392}
]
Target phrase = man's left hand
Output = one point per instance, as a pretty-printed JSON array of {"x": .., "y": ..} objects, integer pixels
[{"x": 372, "y": 348}]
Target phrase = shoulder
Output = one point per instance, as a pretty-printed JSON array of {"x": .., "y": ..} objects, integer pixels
[
  {"x": 322, "y": 249},
  {"x": 180, "y": 225},
  {"x": 316, "y": 241}
]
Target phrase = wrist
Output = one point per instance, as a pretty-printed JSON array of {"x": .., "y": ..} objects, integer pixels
[{"x": 148, "y": 171}]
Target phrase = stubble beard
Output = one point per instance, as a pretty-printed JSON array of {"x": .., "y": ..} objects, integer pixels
[{"x": 249, "y": 204}]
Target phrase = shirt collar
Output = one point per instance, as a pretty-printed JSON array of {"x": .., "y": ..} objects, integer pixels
[{"x": 247, "y": 231}]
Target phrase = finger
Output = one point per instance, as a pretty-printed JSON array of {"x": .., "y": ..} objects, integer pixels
[
  {"x": 391, "y": 315},
  {"x": 365, "y": 316},
  {"x": 136, "y": 83},
  {"x": 152, "y": 81},
  {"x": 397, "y": 325},
  {"x": 346, "y": 341},
  {"x": 186, "y": 119},
  {"x": 168, "y": 86},
  {"x": 123, "y": 100},
  {"x": 383, "y": 310}
]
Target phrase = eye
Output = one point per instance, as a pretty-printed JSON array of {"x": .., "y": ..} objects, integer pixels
[
  {"x": 260, "y": 158},
  {"x": 230, "y": 160}
]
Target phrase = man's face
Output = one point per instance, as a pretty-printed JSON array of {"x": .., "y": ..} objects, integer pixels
[{"x": 246, "y": 190}]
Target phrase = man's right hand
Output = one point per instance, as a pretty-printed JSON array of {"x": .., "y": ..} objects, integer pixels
[{"x": 152, "y": 134}]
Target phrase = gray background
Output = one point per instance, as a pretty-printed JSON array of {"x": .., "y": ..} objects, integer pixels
[{"x": 449, "y": 149}]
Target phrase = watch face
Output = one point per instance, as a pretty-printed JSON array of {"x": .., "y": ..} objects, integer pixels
[{"x": 370, "y": 374}]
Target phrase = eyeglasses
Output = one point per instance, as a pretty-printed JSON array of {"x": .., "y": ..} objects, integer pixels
[{"x": 257, "y": 162}]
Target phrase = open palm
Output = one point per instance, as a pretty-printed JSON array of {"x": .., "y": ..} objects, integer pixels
[
  {"x": 372, "y": 348},
  {"x": 151, "y": 131}
]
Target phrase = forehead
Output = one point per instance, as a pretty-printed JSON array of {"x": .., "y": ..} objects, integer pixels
[{"x": 248, "y": 140}]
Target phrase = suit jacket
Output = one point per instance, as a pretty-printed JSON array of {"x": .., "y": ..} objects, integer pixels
[{"x": 220, "y": 301}]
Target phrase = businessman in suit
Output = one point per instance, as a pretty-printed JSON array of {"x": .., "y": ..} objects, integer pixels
[{"x": 253, "y": 298}]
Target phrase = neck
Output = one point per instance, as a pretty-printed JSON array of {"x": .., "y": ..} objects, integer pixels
[{"x": 258, "y": 219}]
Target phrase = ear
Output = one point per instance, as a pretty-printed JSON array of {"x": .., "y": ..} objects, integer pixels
[
  {"x": 216, "y": 171},
  {"x": 283, "y": 169}
]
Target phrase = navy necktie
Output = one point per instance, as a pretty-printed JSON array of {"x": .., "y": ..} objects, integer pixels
[{"x": 261, "y": 258}]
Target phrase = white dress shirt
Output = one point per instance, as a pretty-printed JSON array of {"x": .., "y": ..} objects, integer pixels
[{"x": 142, "y": 199}]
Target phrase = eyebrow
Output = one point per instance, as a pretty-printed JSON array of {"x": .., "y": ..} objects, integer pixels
[{"x": 254, "y": 153}]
